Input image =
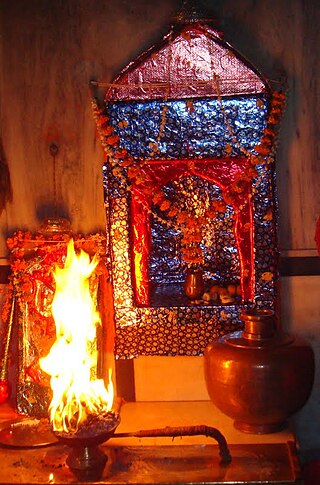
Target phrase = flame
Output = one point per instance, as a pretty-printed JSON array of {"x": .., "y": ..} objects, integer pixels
[{"x": 72, "y": 360}]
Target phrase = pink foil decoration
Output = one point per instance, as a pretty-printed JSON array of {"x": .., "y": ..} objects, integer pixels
[{"x": 193, "y": 62}]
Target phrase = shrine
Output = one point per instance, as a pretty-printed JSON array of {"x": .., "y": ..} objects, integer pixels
[
  {"x": 188, "y": 129},
  {"x": 152, "y": 218}
]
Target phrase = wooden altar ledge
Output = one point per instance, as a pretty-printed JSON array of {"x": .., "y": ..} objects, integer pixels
[{"x": 256, "y": 459}]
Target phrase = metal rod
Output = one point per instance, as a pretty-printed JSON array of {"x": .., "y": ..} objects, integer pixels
[
  {"x": 159, "y": 84},
  {"x": 4, "y": 370},
  {"x": 185, "y": 431}
]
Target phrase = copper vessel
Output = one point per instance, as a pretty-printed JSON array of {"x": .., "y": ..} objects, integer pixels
[
  {"x": 194, "y": 285},
  {"x": 259, "y": 376}
]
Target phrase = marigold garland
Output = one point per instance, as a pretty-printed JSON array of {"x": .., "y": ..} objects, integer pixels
[{"x": 27, "y": 249}]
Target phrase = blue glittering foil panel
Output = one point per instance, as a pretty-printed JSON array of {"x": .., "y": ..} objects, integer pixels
[
  {"x": 176, "y": 330},
  {"x": 198, "y": 128},
  {"x": 195, "y": 129},
  {"x": 116, "y": 204},
  {"x": 265, "y": 236}
]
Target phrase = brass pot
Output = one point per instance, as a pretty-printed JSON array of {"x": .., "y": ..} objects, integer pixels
[
  {"x": 259, "y": 376},
  {"x": 194, "y": 285},
  {"x": 55, "y": 225}
]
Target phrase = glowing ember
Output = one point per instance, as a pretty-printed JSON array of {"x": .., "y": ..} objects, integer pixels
[{"x": 72, "y": 360}]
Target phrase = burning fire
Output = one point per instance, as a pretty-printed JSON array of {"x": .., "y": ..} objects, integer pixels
[{"x": 72, "y": 360}]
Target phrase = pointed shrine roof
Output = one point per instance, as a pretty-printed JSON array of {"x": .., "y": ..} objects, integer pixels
[{"x": 193, "y": 62}]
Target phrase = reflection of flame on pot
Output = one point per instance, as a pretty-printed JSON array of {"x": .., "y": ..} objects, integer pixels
[{"x": 72, "y": 361}]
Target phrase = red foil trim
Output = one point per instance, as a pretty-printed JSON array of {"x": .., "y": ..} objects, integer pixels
[
  {"x": 141, "y": 240},
  {"x": 222, "y": 172}
]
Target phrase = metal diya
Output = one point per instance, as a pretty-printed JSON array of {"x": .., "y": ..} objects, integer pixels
[{"x": 86, "y": 460}]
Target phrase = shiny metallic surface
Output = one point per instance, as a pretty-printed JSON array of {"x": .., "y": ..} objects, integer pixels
[
  {"x": 194, "y": 285},
  {"x": 86, "y": 460},
  {"x": 26, "y": 433},
  {"x": 193, "y": 100},
  {"x": 191, "y": 12},
  {"x": 55, "y": 225},
  {"x": 87, "y": 463},
  {"x": 259, "y": 324},
  {"x": 200, "y": 130},
  {"x": 190, "y": 62},
  {"x": 259, "y": 381}
]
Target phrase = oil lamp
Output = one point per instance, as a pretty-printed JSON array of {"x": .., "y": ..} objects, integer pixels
[{"x": 81, "y": 409}]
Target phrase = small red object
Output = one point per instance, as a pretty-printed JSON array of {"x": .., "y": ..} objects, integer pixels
[
  {"x": 5, "y": 390},
  {"x": 317, "y": 235}
]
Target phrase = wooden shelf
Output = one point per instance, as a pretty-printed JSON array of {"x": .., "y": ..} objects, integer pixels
[{"x": 263, "y": 459}]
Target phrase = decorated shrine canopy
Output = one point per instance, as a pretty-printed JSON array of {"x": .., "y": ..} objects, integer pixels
[
  {"x": 188, "y": 128},
  {"x": 193, "y": 62},
  {"x": 190, "y": 96}
]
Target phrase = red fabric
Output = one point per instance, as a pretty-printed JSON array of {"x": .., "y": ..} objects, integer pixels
[
  {"x": 222, "y": 172},
  {"x": 317, "y": 235}
]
